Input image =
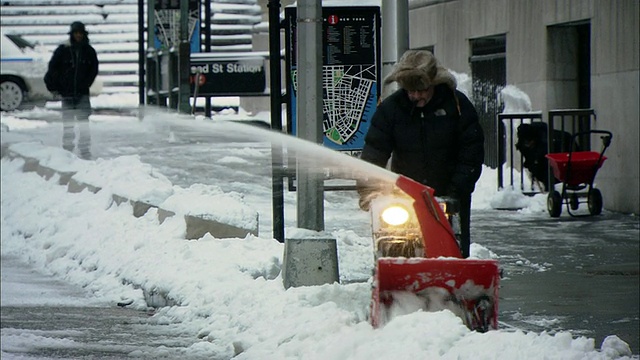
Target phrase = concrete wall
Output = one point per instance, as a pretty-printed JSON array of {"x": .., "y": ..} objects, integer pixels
[
  {"x": 615, "y": 96},
  {"x": 540, "y": 54}
]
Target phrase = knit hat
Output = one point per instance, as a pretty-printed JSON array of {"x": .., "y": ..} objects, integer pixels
[
  {"x": 77, "y": 26},
  {"x": 418, "y": 70}
]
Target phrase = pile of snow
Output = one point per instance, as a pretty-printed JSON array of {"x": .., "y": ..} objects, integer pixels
[{"x": 230, "y": 293}]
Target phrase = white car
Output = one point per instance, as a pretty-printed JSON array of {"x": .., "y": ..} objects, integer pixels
[{"x": 22, "y": 73}]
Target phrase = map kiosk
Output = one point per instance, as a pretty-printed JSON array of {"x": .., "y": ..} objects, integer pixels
[{"x": 351, "y": 73}]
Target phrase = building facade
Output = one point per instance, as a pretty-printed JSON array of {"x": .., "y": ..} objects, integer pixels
[{"x": 564, "y": 54}]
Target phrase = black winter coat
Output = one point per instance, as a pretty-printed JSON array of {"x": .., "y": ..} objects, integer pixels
[
  {"x": 72, "y": 69},
  {"x": 440, "y": 145}
]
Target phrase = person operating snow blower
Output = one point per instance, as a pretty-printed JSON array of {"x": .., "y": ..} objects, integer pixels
[{"x": 431, "y": 132}]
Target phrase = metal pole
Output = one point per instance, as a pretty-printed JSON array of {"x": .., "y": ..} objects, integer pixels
[
  {"x": 275, "y": 72},
  {"x": 142, "y": 57},
  {"x": 184, "y": 55},
  {"x": 152, "y": 77},
  {"x": 275, "y": 87},
  {"x": 151, "y": 23},
  {"x": 196, "y": 86},
  {"x": 310, "y": 194},
  {"x": 395, "y": 38},
  {"x": 207, "y": 47}
]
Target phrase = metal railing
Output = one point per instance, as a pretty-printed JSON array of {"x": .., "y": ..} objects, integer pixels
[
  {"x": 574, "y": 121},
  {"x": 507, "y": 125},
  {"x": 570, "y": 121}
]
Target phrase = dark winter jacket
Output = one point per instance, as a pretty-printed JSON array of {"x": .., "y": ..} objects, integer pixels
[
  {"x": 72, "y": 69},
  {"x": 440, "y": 145}
]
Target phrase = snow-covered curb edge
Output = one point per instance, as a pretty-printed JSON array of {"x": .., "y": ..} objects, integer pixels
[{"x": 197, "y": 225}]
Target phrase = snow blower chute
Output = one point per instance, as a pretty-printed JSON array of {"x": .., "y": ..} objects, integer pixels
[{"x": 419, "y": 264}]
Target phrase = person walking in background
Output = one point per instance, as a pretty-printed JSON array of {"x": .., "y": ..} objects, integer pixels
[
  {"x": 72, "y": 69},
  {"x": 430, "y": 131}
]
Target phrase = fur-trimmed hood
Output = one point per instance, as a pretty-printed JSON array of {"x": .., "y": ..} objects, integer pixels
[{"x": 419, "y": 69}]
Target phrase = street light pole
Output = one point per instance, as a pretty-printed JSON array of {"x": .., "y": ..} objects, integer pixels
[
  {"x": 395, "y": 38},
  {"x": 310, "y": 189}
]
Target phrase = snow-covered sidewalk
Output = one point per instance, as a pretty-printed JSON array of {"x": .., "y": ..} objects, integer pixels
[{"x": 229, "y": 290}]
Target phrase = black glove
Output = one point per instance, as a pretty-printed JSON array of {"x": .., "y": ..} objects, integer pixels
[
  {"x": 367, "y": 191},
  {"x": 364, "y": 203}
]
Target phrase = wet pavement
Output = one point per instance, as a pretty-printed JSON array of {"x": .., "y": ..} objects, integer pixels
[
  {"x": 577, "y": 274},
  {"x": 71, "y": 332},
  {"x": 44, "y": 318}
]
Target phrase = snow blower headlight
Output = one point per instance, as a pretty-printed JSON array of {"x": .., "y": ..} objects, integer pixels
[
  {"x": 396, "y": 232},
  {"x": 395, "y": 215}
]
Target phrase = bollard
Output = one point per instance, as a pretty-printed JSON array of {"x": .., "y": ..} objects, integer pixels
[{"x": 309, "y": 262}]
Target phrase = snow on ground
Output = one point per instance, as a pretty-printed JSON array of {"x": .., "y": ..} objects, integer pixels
[{"x": 230, "y": 291}]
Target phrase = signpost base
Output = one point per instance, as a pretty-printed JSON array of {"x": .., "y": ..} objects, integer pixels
[{"x": 309, "y": 262}]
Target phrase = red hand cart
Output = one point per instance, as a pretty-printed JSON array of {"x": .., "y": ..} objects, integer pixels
[{"x": 577, "y": 170}]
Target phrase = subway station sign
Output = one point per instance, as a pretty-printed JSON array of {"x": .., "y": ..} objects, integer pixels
[{"x": 218, "y": 76}]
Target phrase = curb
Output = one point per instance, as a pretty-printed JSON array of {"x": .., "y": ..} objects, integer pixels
[{"x": 196, "y": 226}]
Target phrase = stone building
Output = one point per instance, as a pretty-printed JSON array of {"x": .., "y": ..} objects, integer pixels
[{"x": 565, "y": 54}]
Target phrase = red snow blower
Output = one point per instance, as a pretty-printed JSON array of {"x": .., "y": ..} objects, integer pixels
[{"x": 419, "y": 265}]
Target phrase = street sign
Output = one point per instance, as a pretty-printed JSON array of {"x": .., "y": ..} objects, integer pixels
[{"x": 225, "y": 76}]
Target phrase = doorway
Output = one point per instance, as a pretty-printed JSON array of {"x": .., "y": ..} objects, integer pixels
[
  {"x": 569, "y": 72},
  {"x": 488, "y": 73}
]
